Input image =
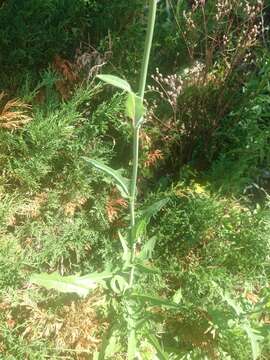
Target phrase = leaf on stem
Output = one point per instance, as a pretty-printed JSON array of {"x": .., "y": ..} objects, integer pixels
[
  {"x": 146, "y": 269},
  {"x": 115, "y": 81},
  {"x": 147, "y": 249},
  {"x": 123, "y": 183},
  {"x": 154, "y": 301},
  {"x": 134, "y": 107},
  {"x": 80, "y": 285},
  {"x": 255, "y": 338},
  {"x": 162, "y": 355},
  {"x": 126, "y": 251},
  {"x": 118, "y": 284},
  {"x": 142, "y": 222}
]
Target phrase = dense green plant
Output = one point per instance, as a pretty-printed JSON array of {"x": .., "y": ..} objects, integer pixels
[
  {"x": 202, "y": 257},
  {"x": 32, "y": 32},
  {"x": 245, "y": 137}
]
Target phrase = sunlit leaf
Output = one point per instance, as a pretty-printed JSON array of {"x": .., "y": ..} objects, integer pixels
[
  {"x": 254, "y": 339},
  {"x": 115, "y": 81},
  {"x": 231, "y": 302},
  {"x": 178, "y": 296},
  {"x": 122, "y": 182},
  {"x": 118, "y": 284},
  {"x": 113, "y": 346},
  {"x": 80, "y": 285}
]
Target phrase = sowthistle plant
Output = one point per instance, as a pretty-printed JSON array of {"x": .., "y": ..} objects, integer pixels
[{"x": 123, "y": 279}]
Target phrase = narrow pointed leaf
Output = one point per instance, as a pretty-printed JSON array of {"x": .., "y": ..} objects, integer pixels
[
  {"x": 126, "y": 251},
  {"x": 80, "y": 285},
  {"x": 142, "y": 222},
  {"x": 122, "y": 182},
  {"x": 154, "y": 301},
  {"x": 115, "y": 81},
  {"x": 232, "y": 303},
  {"x": 147, "y": 249},
  {"x": 162, "y": 355},
  {"x": 255, "y": 340},
  {"x": 68, "y": 284},
  {"x": 146, "y": 269},
  {"x": 105, "y": 342}
]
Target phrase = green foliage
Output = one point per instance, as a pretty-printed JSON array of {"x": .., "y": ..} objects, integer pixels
[
  {"x": 122, "y": 183},
  {"x": 245, "y": 136},
  {"x": 188, "y": 278},
  {"x": 33, "y": 32},
  {"x": 80, "y": 285}
]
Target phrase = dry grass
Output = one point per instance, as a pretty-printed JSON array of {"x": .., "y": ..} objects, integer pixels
[
  {"x": 14, "y": 113},
  {"x": 75, "y": 329}
]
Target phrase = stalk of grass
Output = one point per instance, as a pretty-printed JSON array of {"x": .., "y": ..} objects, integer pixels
[{"x": 136, "y": 128}]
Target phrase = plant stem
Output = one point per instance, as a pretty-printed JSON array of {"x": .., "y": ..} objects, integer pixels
[
  {"x": 136, "y": 130},
  {"x": 148, "y": 45}
]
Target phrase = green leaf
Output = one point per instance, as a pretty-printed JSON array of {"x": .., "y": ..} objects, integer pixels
[
  {"x": 130, "y": 106},
  {"x": 154, "y": 301},
  {"x": 101, "y": 355},
  {"x": 146, "y": 269},
  {"x": 162, "y": 355},
  {"x": 142, "y": 222},
  {"x": 134, "y": 107},
  {"x": 113, "y": 346},
  {"x": 147, "y": 249},
  {"x": 115, "y": 81},
  {"x": 80, "y": 285},
  {"x": 254, "y": 339},
  {"x": 132, "y": 345},
  {"x": 120, "y": 180},
  {"x": 236, "y": 306},
  {"x": 126, "y": 251},
  {"x": 178, "y": 296},
  {"x": 118, "y": 284}
]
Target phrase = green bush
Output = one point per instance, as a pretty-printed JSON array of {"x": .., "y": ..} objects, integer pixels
[
  {"x": 244, "y": 137},
  {"x": 33, "y": 32}
]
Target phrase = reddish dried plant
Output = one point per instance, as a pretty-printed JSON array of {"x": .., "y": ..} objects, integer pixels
[
  {"x": 153, "y": 157},
  {"x": 65, "y": 68},
  {"x": 14, "y": 114},
  {"x": 114, "y": 207}
]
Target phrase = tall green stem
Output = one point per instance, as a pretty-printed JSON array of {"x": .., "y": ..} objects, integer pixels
[
  {"x": 136, "y": 130},
  {"x": 148, "y": 45}
]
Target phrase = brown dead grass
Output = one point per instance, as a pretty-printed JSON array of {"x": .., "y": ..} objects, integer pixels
[
  {"x": 74, "y": 329},
  {"x": 14, "y": 114}
]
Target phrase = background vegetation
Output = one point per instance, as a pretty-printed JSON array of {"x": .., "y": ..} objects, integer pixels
[{"x": 205, "y": 146}]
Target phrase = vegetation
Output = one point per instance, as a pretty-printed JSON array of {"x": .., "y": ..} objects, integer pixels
[{"x": 173, "y": 263}]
